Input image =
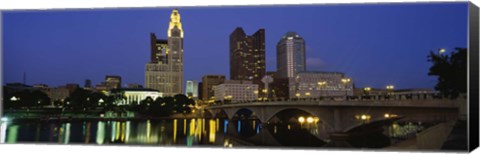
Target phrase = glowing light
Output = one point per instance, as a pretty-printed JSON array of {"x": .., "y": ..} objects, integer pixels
[
  {"x": 3, "y": 131},
  {"x": 123, "y": 132},
  {"x": 149, "y": 131},
  {"x": 14, "y": 98},
  {"x": 322, "y": 83},
  {"x": 67, "y": 133},
  {"x": 225, "y": 143},
  {"x": 174, "y": 130},
  {"x": 218, "y": 124},
  {"x": 185, "y": 126},
  {"x": 113, "y": 131},
  {"x": 239, "y": 126},
  {"x": 301, "y": 119},
  {"x": 309, "y": 120},
  {"x": 225, "y": 125},
  {"x": 387, "y": 115},
  {"x": 212, "y": 131},
  {"x": 118, "y": 131},
  {"x": 442, "y": 50},
  {"x": 346, "y": 80},
  {"x": 192, "y": 127},
  {"x": 367, "y": 88},
  {"x": 4, "y": 119},
  {"x": 175, "y": 23},
  {"x": 127, "y": 131},
  {"x": 100, "y": 132},
  {"x": 12, "y": 134}
]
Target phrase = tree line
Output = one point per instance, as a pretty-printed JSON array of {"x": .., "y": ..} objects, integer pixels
[{"x": 84, "y": 100}]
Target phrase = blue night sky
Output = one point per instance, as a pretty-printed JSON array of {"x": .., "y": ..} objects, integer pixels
[{"x": 376, "y": 44}]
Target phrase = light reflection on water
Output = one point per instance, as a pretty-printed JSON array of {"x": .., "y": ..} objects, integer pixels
[
  {"x": 3, "y": 132},
  {"x": 187, "y": 132}
]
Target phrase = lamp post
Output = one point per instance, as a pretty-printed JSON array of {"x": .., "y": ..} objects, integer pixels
[
  {"x": 367, "y": 90},
  {"x": 441, "y": 50},
  {"x": 301, "y": 120},
  {"x": 345, "y": 81},
  {"x": 321, "y": 84},
  {"x": 390, "y": 90}
]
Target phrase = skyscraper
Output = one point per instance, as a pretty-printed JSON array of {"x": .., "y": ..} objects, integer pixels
[
  {"x": 164, "y": 72},
  {"x": 290, "y": 55},
  {"x": 247, "y": 56},
  {"x": 191, "y": 90}
]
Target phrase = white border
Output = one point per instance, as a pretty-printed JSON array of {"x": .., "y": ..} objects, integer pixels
[
  {"x": 9, "y": 5},
  {"x": 63, "y": 4}
]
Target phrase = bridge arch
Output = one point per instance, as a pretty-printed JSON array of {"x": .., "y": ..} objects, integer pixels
[{"x": 324, "y": 115}]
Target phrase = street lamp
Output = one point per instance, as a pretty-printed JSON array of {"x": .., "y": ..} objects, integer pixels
[
  {"x": 301, "y": 120},
  {"x": 441, "y": 50},
  {"x": 310, "y": 120},
  {"x": 345, "y": 81},
  {"x": 367, "y": 90},
  {"x": 390, "y": 89},
  {"x": 363, "y": 117}
]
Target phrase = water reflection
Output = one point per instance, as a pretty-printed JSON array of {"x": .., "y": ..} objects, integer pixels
[
  {"x": 100, "y": 132},
  {"x": 185, "y": 132},
  {"x": 3, "y": 131}
]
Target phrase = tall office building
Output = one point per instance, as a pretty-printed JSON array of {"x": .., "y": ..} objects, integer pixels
[
  {"x": 191, "y": 90},
  {"x": 208, "y": 85},
  {"x": 247, "y": 56},
  {"x": 164, "y": 72},
  {"x": 290, "y": 55}
]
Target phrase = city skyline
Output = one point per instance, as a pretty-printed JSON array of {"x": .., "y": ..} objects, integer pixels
[{"x": 347, "y": 52}]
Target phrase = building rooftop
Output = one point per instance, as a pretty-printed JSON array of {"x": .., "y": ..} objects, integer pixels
[
  {"x": 321, "y": 72},
  {"x": 134, "y": 89}
]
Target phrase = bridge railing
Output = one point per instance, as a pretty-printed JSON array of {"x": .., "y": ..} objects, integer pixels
[{"x": 364, "y": 98}]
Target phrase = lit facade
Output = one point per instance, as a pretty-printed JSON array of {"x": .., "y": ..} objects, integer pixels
[
  {"x": 320, "y": 84},
  {"x": 208, "y": 85},
  {"x": 236, "y": 90},
  {"x": 247, "y": 56},
  {"x": 113, "y": 82},
  {"x": 192, "y": 89},
  {"x": 290, "y": 55},
  {"x": 133, "y": 95},
  {"x": 164, "y": 72}
]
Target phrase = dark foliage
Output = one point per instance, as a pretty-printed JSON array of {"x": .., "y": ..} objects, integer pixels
[{"x": 451, "y": 71}]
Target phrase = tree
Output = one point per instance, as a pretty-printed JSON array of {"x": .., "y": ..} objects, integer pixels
[
  {"x": 97, "y": 99},
  {"x": 79, "y": 99},
  {"x": 451, "y": 71},
  {"x": 183, "y": 103},
  {"x": 40, "y": 98}
]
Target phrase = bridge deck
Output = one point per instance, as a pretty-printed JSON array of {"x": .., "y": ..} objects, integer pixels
[{"x": 433, "y": 103}]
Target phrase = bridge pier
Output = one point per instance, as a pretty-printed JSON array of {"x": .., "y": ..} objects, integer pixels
[{"x": 337, "y": 127}]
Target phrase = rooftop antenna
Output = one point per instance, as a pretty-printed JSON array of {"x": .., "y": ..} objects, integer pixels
[{"x": 24, "y": 78}]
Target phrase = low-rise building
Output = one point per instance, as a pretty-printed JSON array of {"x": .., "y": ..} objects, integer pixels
[
  {"x": 236, "y": 90},
  {"x": 319, "y": 84},
  {"x": 127, "y": 96}
]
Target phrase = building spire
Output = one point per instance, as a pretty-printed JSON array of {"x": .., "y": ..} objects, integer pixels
[{"x": 175, "y": 23}]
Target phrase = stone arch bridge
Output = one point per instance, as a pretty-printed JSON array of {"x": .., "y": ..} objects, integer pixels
[{"x": 342, "y": 116}]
